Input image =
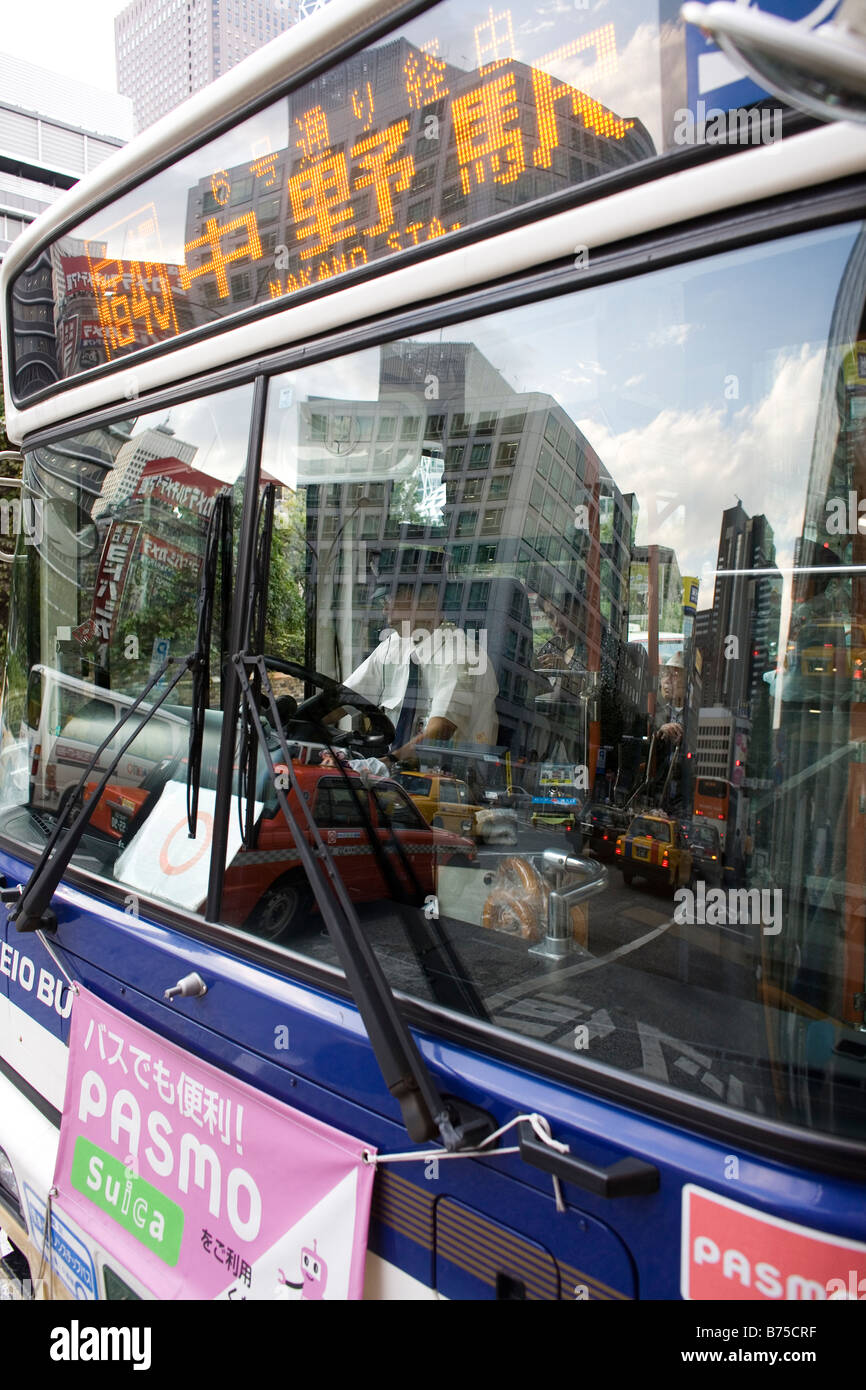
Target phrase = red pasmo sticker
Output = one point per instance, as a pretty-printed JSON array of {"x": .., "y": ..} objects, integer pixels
[{"x": 730, "y": 1251}]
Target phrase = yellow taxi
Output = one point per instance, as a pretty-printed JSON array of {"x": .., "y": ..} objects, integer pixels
[
  {"x": 653, "y": 848},
  {"x": 446, "y": 804}
]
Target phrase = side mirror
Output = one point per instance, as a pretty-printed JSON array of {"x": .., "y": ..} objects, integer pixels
[{"x": 821, "y": 70}]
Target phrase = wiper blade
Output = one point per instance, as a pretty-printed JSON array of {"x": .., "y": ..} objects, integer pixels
[
  {"x": 437, "y": 957},
  {"x": 28, "y": 912},
  {"x": 426, "y": 1114},
  {"x": 219, "y": 527},
  {"x": 254, "y": 635}
]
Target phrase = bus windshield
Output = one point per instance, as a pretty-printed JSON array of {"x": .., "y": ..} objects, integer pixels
[{"x": 472, "y": 521}]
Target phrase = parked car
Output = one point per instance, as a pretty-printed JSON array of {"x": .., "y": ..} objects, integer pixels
[
  {"x": 559, "y": 810},
  {"x": 512, "y": 798},
  {"x": 601, "y": 828}
]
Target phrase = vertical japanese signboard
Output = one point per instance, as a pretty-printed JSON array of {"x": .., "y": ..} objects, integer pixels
[
  {"x": 114, "y": 563},
  {"x": 199, "y": 1185}
]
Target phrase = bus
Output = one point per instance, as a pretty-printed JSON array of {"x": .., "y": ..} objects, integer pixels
[
  {"x": 347, "y": 395},
  {"x": 711, "y": 798}
]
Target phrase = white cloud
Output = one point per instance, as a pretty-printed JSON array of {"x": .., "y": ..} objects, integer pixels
[
  {"x": 707, "y": 456},
  {"x": 674, "y": 335}
]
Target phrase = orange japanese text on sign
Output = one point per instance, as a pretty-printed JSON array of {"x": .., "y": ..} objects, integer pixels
[
  {"x": 319, "y": 192},
  {"x": 424, "y": 76},
  {"x": 220, "y": 187},
  {"x": 376, "y": 156},
  {"x": 219, "y": 259},
  {"x": 548, "y": 91},
  {"x": 363, "y": 105},
  {"x": 487, "y": 131},
  {"x": 125, "y": 305},
  {"x": 314, "y": 137},
  {"x": 494, "y": 41},
  {"x": 265, "y": 168}
]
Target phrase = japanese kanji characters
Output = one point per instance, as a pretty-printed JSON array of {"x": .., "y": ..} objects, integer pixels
[
  {"x": 376, "y": 156},
  {"x": 488, "y": 134},
  {"x": 319, "y": 192},
  {"x": 487, "y": 129},
  {"x": 424, "y": 77},
  {"x": 213, "y": 239}
]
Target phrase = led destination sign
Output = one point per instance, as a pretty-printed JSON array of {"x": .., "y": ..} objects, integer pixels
[{"x": 463, "y": 115}]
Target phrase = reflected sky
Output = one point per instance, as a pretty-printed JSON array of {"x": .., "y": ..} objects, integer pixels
[{"x": 695, "y": 385}]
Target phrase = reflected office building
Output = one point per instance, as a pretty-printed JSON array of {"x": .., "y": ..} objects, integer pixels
[{"x": 482, "y": 509}]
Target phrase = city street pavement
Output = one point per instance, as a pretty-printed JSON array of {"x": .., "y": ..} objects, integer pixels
[{"x": 677, "y": 1004}]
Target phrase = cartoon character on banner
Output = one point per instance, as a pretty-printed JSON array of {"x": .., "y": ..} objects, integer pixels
[{"x": 314, "y": 1276}]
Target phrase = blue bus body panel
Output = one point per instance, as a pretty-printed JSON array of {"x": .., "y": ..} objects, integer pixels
[{"x": 438, "y": 1221}]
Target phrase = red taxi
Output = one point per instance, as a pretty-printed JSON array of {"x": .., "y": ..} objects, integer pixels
[{"x": 265, "y": 888}]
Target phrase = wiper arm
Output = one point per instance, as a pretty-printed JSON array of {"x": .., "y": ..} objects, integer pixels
[
  {"x": 254, "y": 634},
  {"x": 426, "y": 1114},
  {"x": 437, "y": 957},
  {"x": 29, "y": 910},
  {"x": 218, "y": 527},
  {"x": 435, "y": 953}
]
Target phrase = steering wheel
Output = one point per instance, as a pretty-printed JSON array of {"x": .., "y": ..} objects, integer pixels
[{"x": 304, "y": 724}]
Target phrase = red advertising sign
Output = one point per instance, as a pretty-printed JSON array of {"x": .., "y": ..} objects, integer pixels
[
  {"x": 175, "y": 484},
  {"x": 117, "y": 553},
  {"x": 164, "y": 555},
  {"x": 733, "y": 1252}
]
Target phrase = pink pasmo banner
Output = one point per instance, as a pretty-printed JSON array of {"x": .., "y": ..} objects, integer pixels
[{"x": 201, "y": 1186}]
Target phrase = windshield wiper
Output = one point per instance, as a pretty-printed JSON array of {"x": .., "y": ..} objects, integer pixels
[
  {"x": 30, "y": 910},
  {"x": 217, "y": 542},
  {"x": 254, "y": 630},
  {"x": 426, "y": 1113},
  {"x": 436, "y": 955}
]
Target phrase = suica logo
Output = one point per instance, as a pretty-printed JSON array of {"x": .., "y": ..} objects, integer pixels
[{"x": 718, "y": 907}]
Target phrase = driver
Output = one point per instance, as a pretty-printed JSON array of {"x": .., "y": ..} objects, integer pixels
[{"x": 433, "y": 682}]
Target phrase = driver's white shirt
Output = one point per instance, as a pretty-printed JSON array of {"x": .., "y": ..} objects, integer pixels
[{"x": 461, "y": 691}]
